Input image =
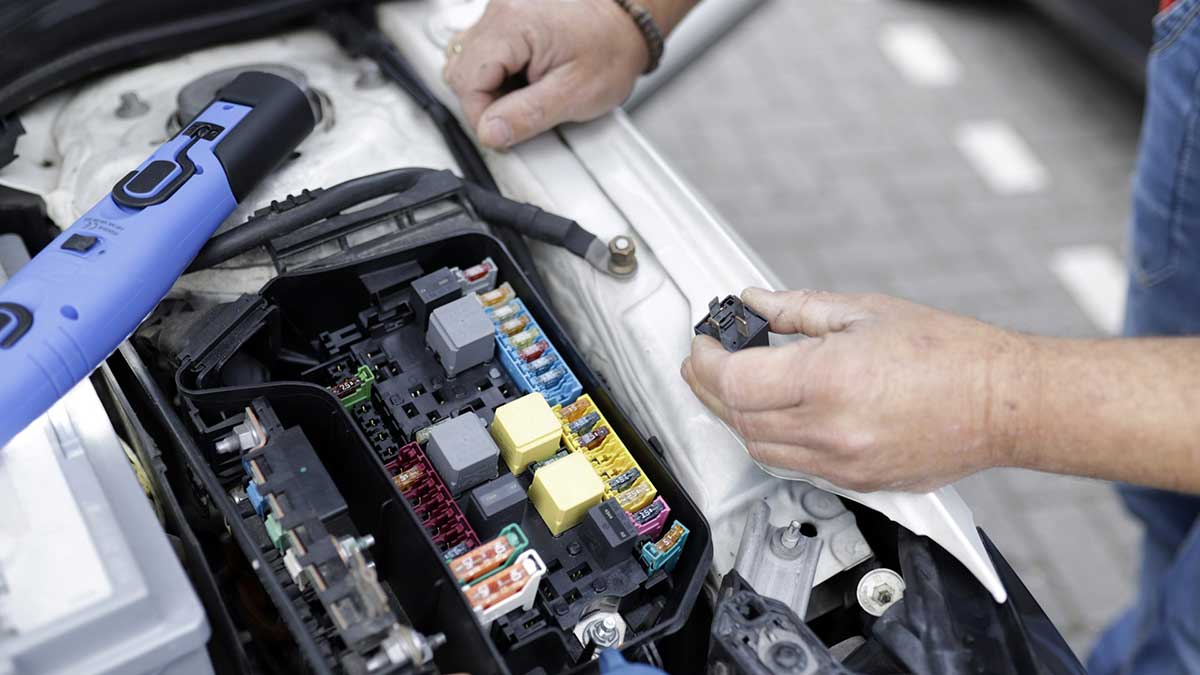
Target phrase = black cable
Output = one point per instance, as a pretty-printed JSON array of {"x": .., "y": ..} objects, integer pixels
[
  {"x": 315, "y": 205},
  {"x": 282, "y": 217},
  {"x": 357, "y": 30}
]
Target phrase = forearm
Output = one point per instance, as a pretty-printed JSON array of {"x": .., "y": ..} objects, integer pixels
[
  {"x": 1126, "y": 410},
  {"x": 668, "y": 13}
]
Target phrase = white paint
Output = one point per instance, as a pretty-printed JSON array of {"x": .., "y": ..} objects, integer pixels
[
  {"x": 1001, "y": 157},
  {"x": 1095, "y": 276},
  {"x": 917, "y": 51}
]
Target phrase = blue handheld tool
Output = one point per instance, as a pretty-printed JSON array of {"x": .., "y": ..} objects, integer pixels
[{"x": 67, "y": 309}]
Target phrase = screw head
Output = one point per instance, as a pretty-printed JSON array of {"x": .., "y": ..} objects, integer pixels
[
  {"x": 622, "y": 255},
  {"x": 878, "y": 590}
]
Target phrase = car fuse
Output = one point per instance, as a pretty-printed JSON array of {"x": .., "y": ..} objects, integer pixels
[
  {"x": 491, "y": 556},
  {"x": 592, "y": 439},
  {"x": 550, "y": 378},
  {"x": 477, "y": 272},
  {"x": 663, "y": 554},
  {"x": 572, "y": 412},
  {"x": 497, "y": 296},
  {"x": 455, "y": 551},
  {"x": 524, "y": 338},
  {"x": 407, "y": 478},
  {"x": 625, "y": 480},
  {"x": 499, "y": 587},
  {"x": 533, "y": 352},
  {"x": 633, "y": 498},
  {"x": 514, "y": 326},
  {"x": 538, "y": 365},
  {"x": 650, "y": 520},
  {"x": 505, "y": 312},
  {"x": 584, "y": 424}
]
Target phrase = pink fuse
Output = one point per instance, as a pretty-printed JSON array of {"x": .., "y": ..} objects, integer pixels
[{"x": 650, "y": 520}]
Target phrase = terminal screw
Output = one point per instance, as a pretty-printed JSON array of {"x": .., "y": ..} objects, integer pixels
[
  {"x": 604, "y": 632},
  {"x": 791, "y": 536},
  {"x": 622, "y": 255}
]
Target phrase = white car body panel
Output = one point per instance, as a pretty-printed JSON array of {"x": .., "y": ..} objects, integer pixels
[{"x": 634, "y": 332}]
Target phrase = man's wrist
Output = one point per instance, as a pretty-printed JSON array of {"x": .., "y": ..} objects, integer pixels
[{"x": 1016, "y": 376}]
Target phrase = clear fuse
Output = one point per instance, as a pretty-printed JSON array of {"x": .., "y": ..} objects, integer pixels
[
  {"x": 543, "y": 363},
  {"x": 524, "y": 338},
  {"x": 550, "y": 378},
  {"x": 505, "y": 312},
  {"x": 514, "y": 326}
]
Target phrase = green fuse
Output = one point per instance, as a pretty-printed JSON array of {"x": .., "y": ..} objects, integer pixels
[
  {"x": 275, "y": 532},
  {"x": 356, "y": 388}
]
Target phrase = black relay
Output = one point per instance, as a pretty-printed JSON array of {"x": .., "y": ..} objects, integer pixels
[{"x": 733, "y": 324}]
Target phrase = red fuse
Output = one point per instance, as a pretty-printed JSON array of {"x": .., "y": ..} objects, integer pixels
[
  {"x": 533, "y": 351},
  {"x": 477, "y": 272}
]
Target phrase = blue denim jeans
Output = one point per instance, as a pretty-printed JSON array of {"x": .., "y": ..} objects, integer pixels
[{"x": 1160, "y": 633}]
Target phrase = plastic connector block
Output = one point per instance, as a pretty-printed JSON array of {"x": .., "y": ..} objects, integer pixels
[
  {"x": 734, "y": 325},
  {"x": 513, "y": 588},
  {"x": 462, "y": 452},
  {"x": 431, "y": 499},
  {"x": 461, "y": 335},
  {"x": 650, "y": 520},
  {"x": 256, "y": 499},
  {"x": 533, "y": 366},
  {"x": 664, "y": 553},
  {"x": 490, "y": 557},
  {"x": 608, "y": 456},
  {"x": 562, "y": 492},
  {"x": 355, "y": 389},
  {"x": 527, "y": 430}
]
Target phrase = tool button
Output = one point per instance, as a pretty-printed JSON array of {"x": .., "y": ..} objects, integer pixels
[
  {"x": 79, "y": 243},
  {"x": 150, "y": 177},
  {"x": 15, "y": 321}
]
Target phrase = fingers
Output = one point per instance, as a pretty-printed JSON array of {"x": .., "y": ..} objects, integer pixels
[
  {"x": 812, "y": 313},
  {"x": 764, "y": 378},
  {"x": 527, "y": 112},
  {"x": 482, "y": 60}
]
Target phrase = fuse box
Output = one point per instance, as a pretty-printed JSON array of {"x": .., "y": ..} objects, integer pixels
[{"x": 497, "y": 495}]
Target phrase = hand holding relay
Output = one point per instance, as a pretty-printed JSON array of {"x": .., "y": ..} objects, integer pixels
[{"x": 74, "y": 303}]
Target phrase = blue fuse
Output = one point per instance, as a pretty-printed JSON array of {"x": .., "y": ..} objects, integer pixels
[
  {"x": 663, "y": 554},
  {"x": 540, "y": 364},
  {"x": 256, "y": 499},
  {"x": 549, "y": 379}
]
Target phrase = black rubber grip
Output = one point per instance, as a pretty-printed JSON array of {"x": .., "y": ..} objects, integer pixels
[{"x": 281, "y": 117}]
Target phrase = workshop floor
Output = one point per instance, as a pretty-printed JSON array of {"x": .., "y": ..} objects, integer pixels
[{"x": 958, "y": 154}]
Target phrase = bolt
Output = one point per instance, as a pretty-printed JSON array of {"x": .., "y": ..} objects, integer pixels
[
  {"x": 791, "y": 536},
  {"x": 878, "y": 590},
  {"x": 603, "y": 632},
  {"x": 622, "y": 255}
]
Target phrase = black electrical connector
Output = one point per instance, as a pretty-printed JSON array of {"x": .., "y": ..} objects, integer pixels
[{"x": 733, "y": 324}]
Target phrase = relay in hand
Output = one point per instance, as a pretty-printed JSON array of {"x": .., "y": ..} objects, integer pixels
[{"x": 733, "y": 324}]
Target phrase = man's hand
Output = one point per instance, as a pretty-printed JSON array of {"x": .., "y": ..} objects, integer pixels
[
  {"x": 579, "y": 57},
  {"x": 883, "y": 394}
]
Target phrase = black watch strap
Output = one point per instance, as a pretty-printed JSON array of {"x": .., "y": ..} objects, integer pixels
[{"x": 649, "y": 29}]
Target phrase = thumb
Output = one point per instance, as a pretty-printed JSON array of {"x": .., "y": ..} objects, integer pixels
[
  {"x": 811, "y": 313},
  {"x": 526, "y": 112}
]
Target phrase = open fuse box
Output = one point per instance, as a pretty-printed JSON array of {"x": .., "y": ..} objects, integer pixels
[{"x": 412, "y": 452}]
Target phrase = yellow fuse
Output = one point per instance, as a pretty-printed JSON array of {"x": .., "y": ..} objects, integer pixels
[
  {"x": 562, "y": 492},
  {"x": 526, "y": 430},
  {"x": 494, "y": 297},
  {"x": 670, "y": 538},
  {"x": 513, "y": 326}
]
